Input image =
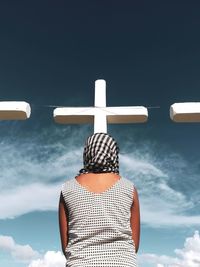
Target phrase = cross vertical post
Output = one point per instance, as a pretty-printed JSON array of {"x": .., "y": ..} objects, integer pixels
[{"x": 100, "y": 120}]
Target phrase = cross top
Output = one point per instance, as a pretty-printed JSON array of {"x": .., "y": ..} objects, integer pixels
[{"x": 100, "y": 115}]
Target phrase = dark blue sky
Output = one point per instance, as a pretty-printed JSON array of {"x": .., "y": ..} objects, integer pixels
[{"x": 53, "y": 51}]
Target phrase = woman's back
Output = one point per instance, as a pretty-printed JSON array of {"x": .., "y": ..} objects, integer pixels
[{"x": 98, "y": 211}]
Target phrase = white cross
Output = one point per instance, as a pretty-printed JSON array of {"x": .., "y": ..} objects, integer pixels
[
  {"x": 14, "y": 110},
  {"x": 100, "y": 115}
]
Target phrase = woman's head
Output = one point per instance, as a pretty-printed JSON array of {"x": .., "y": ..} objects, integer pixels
[{"x": 100, "y": 154}]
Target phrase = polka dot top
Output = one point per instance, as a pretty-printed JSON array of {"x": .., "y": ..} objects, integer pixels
[{"x": 99, "y": 231}]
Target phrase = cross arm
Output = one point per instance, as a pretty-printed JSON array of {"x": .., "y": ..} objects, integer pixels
[
  {"x": 185, "y": 112},
  {"x": 14, "y": 110},
  {"x": 73, "y": 115},
  {"x": 131, "y": 114}
]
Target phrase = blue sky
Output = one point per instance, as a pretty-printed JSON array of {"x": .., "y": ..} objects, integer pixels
[{"x": 51, "y": 54}]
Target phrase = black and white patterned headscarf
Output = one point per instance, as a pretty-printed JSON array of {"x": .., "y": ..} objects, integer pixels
[{"x": 100, "y": 154}]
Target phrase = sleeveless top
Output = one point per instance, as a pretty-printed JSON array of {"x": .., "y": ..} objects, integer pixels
[{"x": 99, "y": 231}]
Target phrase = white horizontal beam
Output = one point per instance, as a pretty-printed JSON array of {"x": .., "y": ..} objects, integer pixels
[
  {"x": 14, "y": 110},
  {"x": 135, "y": 114},
  {"x": 73, "y": 115},
  {"x": 185, "y": 112}
]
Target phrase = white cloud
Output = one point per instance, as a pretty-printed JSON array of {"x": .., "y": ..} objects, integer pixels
[
  {"x": 19, "y": 252},
  {"x": 27, "y": 198},
  {"x": 160, "y": 204},
  {"x": 32, "y": 174},
  {"x": 21, "y": 165},
  {"x": 50, "y": 259},
  {"x": 166, "y": 217},
  {"x": 188, "y": 256},
  {"x": 25, "y": 253},
  {"x": 139, "y": 166}
]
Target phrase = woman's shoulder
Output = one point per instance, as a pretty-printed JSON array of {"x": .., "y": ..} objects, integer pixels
[
  {"x": 129, "y": 182},
  {"x": 67, "y": 183}
]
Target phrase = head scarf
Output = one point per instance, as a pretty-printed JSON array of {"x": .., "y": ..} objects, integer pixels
[{"x": 100, "y": 154}]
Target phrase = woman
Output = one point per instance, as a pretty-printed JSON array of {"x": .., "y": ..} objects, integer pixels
[{"x": 99, "y": 215}]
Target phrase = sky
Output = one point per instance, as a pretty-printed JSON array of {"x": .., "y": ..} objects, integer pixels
[{"x": 51, "y": 53}]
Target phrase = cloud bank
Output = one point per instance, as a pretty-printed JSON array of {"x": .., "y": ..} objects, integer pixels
[
  {"x": 188, "y": 256},
  {"x": 19, "y": 252},
  {"x": 39, "y": 166},
  {"x": 29, "y": 198},
  {"x": 26, "y": 254},
  {"x": 50, "y": 259}
]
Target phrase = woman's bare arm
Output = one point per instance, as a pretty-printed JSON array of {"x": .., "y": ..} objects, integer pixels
[
  {"x": 135, "y": 220},
  {"x": 63, "y": 223}
]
